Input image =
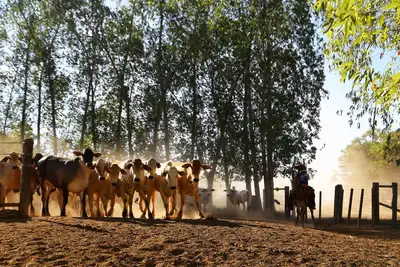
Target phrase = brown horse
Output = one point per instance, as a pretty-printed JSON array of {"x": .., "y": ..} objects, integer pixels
[{"x": 301, "y": 203}]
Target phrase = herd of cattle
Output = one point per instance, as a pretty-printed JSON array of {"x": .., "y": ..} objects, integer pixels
[{"x": 103, "y": 180}]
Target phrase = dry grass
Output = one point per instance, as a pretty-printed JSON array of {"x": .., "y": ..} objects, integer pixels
[{"x": 70, "y": 241}]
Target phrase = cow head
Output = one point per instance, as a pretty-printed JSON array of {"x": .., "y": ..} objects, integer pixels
[
  {"x": 172, "y": 175},
  {"x": 154, "y": 165},
  {"x": 230, "y": 192},
  {"x": 87, "y": 157},
  {"x": 100, "y": 167},
  {"x": 138, "y": 170},
  {"x": 13, "y": 159},
  {"x": 113, "y": 171},
  {"x": 205, "y": 191},
  {"x": 196, "y": 166}
]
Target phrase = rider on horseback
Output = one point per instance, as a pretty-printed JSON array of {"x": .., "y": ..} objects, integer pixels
[{"x": 301, "y": 177}]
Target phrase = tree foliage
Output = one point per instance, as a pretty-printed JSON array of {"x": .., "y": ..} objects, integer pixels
[
  {"x": 361, "y": 34},
  {"x": 367, "y": 160},
  {"x": 237, "y": 84}
]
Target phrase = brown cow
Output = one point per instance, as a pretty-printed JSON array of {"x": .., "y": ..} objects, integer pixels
[
  {"x": 68, "y": 175},
  {"x": 104, "y": 186},
  {"x": 159, "y": 184},
  {"x": 134, "y": 181},
  {"x": 11, "y": 181},
  {"x": 187, "y": 175}
]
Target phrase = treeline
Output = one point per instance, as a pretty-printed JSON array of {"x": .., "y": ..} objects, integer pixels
[
  {"x": 375, "y": 156},
  {"x": 236, "y": 84}
]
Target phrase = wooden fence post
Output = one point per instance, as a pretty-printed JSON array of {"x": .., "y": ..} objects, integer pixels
[
  {"x": 375, "y": 204},
  {"x": 350, "y": 202},
  {"x": 320, "y": 205},
  {"x": 338, "y": 203},
  {"x": 360, "y": 210},
  {"x": 287, "y": 210},
  {"x": 27, "y": 150},
  {"x": 394, "y": 204}
]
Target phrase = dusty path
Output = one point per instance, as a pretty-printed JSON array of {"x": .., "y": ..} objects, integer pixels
[{"x": 56, "y": 241}]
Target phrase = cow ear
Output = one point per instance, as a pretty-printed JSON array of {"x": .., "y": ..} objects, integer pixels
[
  {"x": 206, "y": 167},
  {"x": 158, "y": 165},
  {"x": 77, "y": 153},
  {"x": 147, "y": 167},
  {"x": 182, "y": 173},
  {"x": 97, "y": 155},
  {"x": 164, "y": 174},
  {"x": 187, "y": 165},
  {"x": 5, "y": 159},
  {"x": 128, "y": 166},
  {"x": 123, "y": 171}
]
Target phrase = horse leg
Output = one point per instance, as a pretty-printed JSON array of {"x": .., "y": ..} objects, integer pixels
[
  {"x": 312, "y": 216},
  {"x": 303, "y": 214},
  {"x": 297, "y": 215}
]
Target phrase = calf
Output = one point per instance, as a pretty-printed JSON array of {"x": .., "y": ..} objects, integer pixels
[
  {"x": 10, "y": 176},
  {"x": 188, "y": 182},
  {"x": 157, "y": 183},
  {"x": 239, "y": 197},
  {"x": 67, "y": 175},
  {"x": 134, "y": 181},
  {"x": 204, "y": 196},
  {"x": 106, "y": 186}
]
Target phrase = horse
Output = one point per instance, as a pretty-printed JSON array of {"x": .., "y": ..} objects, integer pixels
[{"x": 301, "y": 202}]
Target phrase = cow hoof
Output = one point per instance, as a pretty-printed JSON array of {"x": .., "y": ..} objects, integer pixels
[
  {"x": 131, "y": 215},
  {"x": 84, "y": 215},
  {"x": 124, "y": 214},
  {"x": 110, "y": 213}
]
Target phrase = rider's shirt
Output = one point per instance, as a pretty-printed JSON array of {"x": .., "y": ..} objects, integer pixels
[{"x": 303, "y": 177}]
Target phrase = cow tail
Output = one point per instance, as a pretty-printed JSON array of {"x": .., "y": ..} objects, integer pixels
[{"x": 249, "y": 200}]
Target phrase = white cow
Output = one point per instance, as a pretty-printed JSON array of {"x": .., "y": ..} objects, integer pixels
[
  {"x": 239, "y": 197},
  {"x": 204, "y": 197}
]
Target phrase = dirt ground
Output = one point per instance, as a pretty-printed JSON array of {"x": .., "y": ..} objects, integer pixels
[{"x": 56, "y": 241}]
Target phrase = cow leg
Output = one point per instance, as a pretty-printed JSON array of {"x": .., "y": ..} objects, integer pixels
[
  {"x": 166, "y": 205},
  {"x": 104, "y": 201},
  {"x": 153, "y": 200},
  {"x": 173, "y": 203},
  {"x": 97, "y": 202},
  {"x": 90, "y": 199},
  {"x": 196, "y": 197},
  {"x": 65, "y": 200},
  {"x": 143, "y": 196},
  {"x": 297, "y": 215},
  {"x": 111, "y": 211},
  {"x": 142, "y": 209},
  {"x": 84, "y": 214},
  {"x": 180, "y": 213},
  {"x": 125, "y": 209},
  {"x": 130, "y": 202},
  {"x": 31, "y": 204},
  {"x": 44, "y": 196}
]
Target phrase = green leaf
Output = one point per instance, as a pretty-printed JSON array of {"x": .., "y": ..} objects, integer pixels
[{"x": 391, "y": 5}]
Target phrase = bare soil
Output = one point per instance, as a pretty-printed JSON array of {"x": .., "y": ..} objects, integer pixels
[{"x": 68, "y": 241}]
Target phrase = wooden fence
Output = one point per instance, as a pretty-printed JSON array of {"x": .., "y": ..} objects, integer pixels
[{"x": 373, "y": 198}]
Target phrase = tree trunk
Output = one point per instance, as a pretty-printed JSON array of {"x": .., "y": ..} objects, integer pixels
[
  {"x": 194, "y": 109},
  {"x": 166, "y": 132},
  {"x": 128, "y": 118},
  {"x": 93, "y": 105},
  {"x": 256, "y": 179},
  {"x": 85, "y": 115},
  {"x": 50, "y": 72},
  {"x": 39, "y": 117},
  {"x": 8, "y": 108},
  {"x": 246, "y": 103},
  {"x": 27, "y": 65}
]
